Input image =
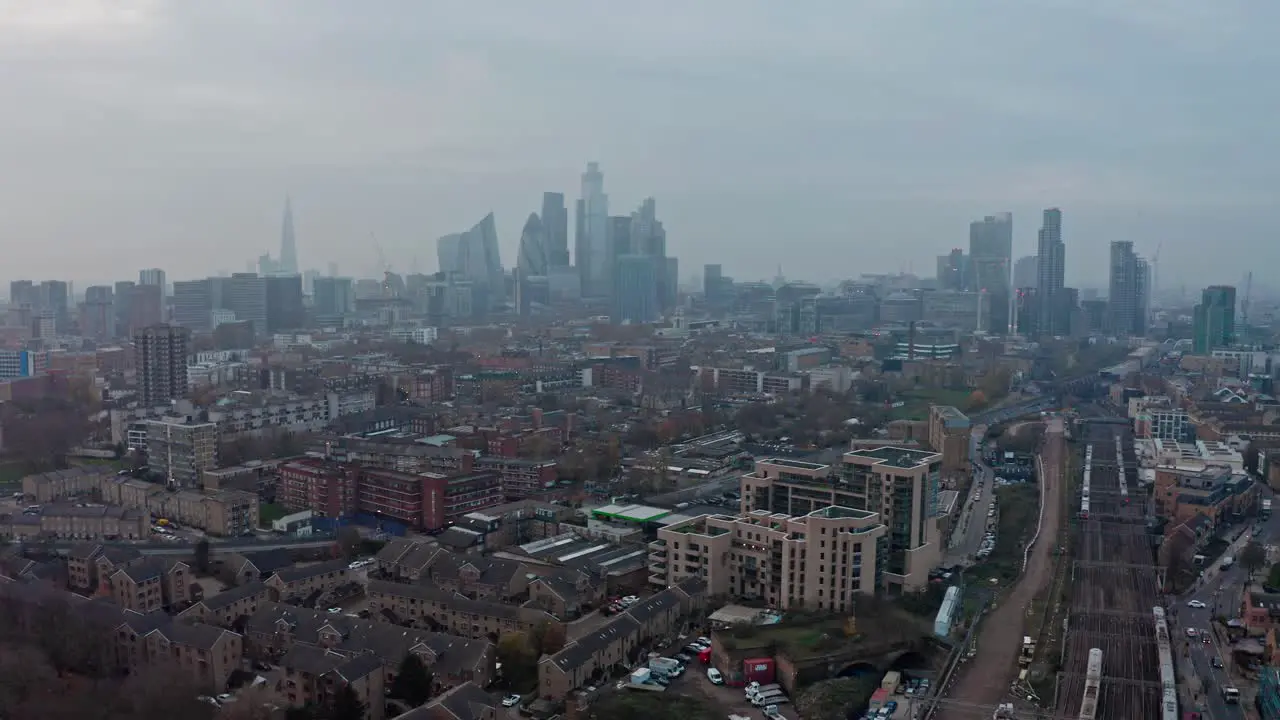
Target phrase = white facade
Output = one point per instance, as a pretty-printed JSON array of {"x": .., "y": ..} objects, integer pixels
[{"x": 419, "y": 335}]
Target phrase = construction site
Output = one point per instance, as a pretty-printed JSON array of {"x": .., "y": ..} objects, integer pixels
[{"x": 1114, "y": 593}]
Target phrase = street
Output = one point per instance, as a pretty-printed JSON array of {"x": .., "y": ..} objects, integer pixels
[
  {"x": 966, "y": 536},
  {"x": 1220, "y": 590}
]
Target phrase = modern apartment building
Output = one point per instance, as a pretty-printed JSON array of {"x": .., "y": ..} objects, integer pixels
[
  {"x": 819, "y": 560},
  {"x": 161, "y": 363},
  {"x": 179, "y": 449},
  {"x": 900, "y": 485}
]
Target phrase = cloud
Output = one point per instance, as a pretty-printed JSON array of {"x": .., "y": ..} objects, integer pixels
[{"x": 866, "y": 132}]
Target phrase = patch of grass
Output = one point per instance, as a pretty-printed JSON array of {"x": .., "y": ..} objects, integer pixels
[
  {"x": 1019, "y": 509},
  {"x": 269, "y": 513},
  {"x": 917, "y": 402},
  {"x": 12, "y": 472}
]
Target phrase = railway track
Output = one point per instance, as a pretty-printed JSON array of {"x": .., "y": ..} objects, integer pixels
[{"x": 1114, "y": 584}]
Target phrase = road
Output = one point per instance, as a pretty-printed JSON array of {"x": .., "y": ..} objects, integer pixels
[
  {"x": 985, "y": 681},
  {"x": 966, "y": 536},
  {"x": 1220, "y": 590}
]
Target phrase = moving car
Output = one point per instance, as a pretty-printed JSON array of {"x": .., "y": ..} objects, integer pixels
[
  {"x": 511, "y": 701},
  {"x": 1216, "y": 662},
  {"x": 1197, "y": 604}
]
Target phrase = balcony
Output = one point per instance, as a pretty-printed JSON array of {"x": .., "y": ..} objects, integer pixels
[
  {"x": 658, "y": 580},
  {"x": 658, "y": 545},
  {"x": 657, "y": 557}
]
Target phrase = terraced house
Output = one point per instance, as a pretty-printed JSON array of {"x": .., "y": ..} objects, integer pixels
[
  {"x": 276, "y": 630},
  {"x": 226, "y": 608},
  {"x": 625, "y": 639},
  {"x": 428, "y": 606},
  {"x": 309, "y": 581}
]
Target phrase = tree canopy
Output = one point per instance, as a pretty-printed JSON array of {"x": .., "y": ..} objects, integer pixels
[{"x": 413, "y": 681}]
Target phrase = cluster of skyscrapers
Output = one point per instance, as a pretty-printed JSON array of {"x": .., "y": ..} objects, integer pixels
[
  {"x": 619, "y": 261},
  {"x": 1030, "y": 296}
]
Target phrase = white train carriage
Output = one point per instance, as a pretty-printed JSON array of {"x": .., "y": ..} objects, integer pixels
[{"x": 1092, "y": 686}]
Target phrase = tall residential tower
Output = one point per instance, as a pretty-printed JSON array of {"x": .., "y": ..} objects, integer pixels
[{"x": 1051, "y": 255}]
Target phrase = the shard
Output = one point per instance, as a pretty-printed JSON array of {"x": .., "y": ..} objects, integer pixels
[{"x": 288, "y": 264}]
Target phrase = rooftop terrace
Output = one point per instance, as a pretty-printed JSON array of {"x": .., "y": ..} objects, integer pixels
[{"x": 896, "y": 456}]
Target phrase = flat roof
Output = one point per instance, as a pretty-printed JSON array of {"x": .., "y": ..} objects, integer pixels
[
  {"x": 632, "y": 513},
  {"x": 798, "y": 464},
  {"x": 897, "y": 456}
]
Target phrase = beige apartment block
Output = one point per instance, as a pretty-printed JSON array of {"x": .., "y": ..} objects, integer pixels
[
  {"x": 900, "y": 485},
  {"x": 819, "y": 561}
]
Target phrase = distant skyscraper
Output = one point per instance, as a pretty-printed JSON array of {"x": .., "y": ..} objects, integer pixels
[
  {"x": 334, "y": 297},
  {"x": 154, "y": 276},
  {"x": 1215, "y": 319},
  {"x": 591, "y": 241},
  {"x": 284, "y": 303},
  {"x": 991, "y": 263},
  {"x": 288, "y": 263},
  {"x": 194, "y": 303},
  {"x": 533, "y": 258},
  {"x": 555, "y": 224},
  {"x": 1051, "y": 256},
  {"x": 953, "y": 270},
  {"x": 636, "y": 295},
  {"x": 161, "y": 358},
  {"x": 1126, "y": 301},
  {"x": 473, "y": 255},
  {"x": 97, "y": 314},
  {"x": 245, "y": 294},
  {"x": 333, "y": 269},
  {"x": 1024, "y": 272}
]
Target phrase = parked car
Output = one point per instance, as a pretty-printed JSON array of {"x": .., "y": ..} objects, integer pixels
[
  {"x": 511, "y": 701},
  {"x": 714, "y": 676}
]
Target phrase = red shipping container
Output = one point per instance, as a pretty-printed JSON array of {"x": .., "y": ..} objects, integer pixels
[{"x": 761, "y": 670}]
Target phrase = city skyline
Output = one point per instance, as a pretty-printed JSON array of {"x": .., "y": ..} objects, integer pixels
[{"x": 759, "y": 151}]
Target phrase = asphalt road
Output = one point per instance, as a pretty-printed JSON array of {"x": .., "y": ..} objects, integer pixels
[
  {"x": 1220, "y": 590},
  {"x": 966, "y": 536}
]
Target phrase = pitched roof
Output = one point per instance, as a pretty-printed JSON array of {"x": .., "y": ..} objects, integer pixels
[
  {"x": 294, "y": 573},
  {"x": 585, "y": 648},
  {"x": 234, "y": 595},
  {"x": 467, "y": 701}
]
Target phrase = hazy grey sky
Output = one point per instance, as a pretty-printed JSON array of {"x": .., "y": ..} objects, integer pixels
[{"x": 836, "y": 137}]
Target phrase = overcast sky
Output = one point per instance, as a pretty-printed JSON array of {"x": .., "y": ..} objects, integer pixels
[{"x": 835, "y": 137}]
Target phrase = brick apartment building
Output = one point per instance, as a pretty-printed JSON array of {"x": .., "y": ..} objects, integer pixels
[{"x": 423, "y": 500}]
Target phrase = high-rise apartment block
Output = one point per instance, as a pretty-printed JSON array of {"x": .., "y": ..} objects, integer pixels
[
  {"x": 98, "y": 313},
  {"x": 334, "y": 297},
  {"x": 1128, "y": 295},
  {"x": 900, "y": 485},
  {"x": 1054, "y": 316},
  {"x": 990, "y": 265},
  {"x": 194, "y": 302},
  {"x": 821, "y": 560},
  {"x": 161, "y": 360},
  {"x": 180, "y": 450},
  {"x": 1215, "y": 319},
  {"x": 154, "y": 276}
]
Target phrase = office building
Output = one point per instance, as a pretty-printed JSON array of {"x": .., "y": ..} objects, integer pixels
[
  {"x": 636, "y": 299},
  {"x": 22, "y": 363},
  {"x": 288, "y": 263},
  {"x": 334, "y": 297},
  {"x": 555, "y": 224},
  {"x": 953, "y": 270},
  {"x": 285, "y": 309},
  {"x": 533, "y": 258},
  {"x": 990, "y": 265},
  {"x": 245, "y": 294},
  {"x": 1215, "y": 319},
  {"x": 1024, "y": 272},
  {"x": 23, "y": 292},
  {"x": 1054, "y": 316},
  {"x": 123, "y": 300},
  {"x": 194, "y": 302},
  {"x": 98, "y": 313},
  {"x": 161, "y": 353},
  {"x": 819, "y": 561},
  {"x": 53, "y": 297},
  {"x": 591, "y": 240},
  {"x": 472, "y": 256},
  {"x": 154, "y": 276},
  {"x": 1126, "y": 301},
  {"x": 146, "y": 307}
]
